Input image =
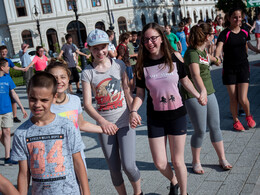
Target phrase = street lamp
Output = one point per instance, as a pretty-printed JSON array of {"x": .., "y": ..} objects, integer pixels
[
  {"x": 82, "y": 58},
  {"x": 111, "y": 27},
  {"x": 37, "y": 17}
]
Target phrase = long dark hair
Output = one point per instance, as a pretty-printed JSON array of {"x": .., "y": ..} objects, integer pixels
[{"x": 143, "y": 53}]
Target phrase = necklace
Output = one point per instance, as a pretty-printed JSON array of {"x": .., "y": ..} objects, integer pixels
[{"x": 62, "y": 100}]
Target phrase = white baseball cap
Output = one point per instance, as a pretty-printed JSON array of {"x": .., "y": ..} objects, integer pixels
[{"x": 97, "y": 37}]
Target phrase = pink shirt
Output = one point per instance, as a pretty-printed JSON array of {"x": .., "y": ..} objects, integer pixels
[{"x": 40, "y": 64}]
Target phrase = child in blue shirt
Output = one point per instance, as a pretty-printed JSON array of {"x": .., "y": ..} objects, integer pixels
[
  {"x": 3, "y": 54},
  {"x": 181, "y": 35},
  {"x": 6, "y": 116}
]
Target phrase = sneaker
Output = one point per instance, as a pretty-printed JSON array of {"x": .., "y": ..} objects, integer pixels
[
  {"x": 79, "y": 91},
  {"x": 16, "y": 120},
  {"x": 238, "y": 126},
  {"x": 241, "y": 113},
  {"x": 174, "y": 189},
  {"x": 9, "y": 162},
  {"x": 250, "y": 121}
]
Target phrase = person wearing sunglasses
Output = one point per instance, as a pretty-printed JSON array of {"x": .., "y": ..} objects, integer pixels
[{"x": 159, "y": 69}]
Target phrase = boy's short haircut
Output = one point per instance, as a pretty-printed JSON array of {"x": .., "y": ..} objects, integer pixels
[
  {"x": 3, "y": 62},
  {"x": 181, "y": 24},
  {"x": 43, "y": 80},
  {"x": 134, "y": 33},
  {"x": 67, "y": 36},
  {"x": 168, "y": 25},
  {"x": 109, "y": 32},
  {"x": 124, "y": 37},
  {"x": 2, "y": 47}
]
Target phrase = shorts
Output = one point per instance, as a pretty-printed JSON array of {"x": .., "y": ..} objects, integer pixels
[
  {"x": 12, "y": 99},
  {"x": 129, "y": 72},
  {"x": 257, "y": 35},
  {"x": 6, "y": 120},
  {"x": 235, "y": 77},
  {"x": 74, "y": 77},
  {"x": 158, "y": 128}
]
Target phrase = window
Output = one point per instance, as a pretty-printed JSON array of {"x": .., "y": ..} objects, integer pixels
[
  {"x": 143, "y": 20},
  {"x": 188, "y": 14},
  {"x": 119, "y": 1},
  {"x": 195, "y": 16},
  {"x": 122, "y": 25},
  {"x": 96, "y": 3},
  {"x": 46, "y": 6},
  {"x": 207, "y": 14},
  {"x": 27, "y": 37},
  {"x": 155, "y": 18},
  {"x": 181, "y": 15},
  {"x": 173, "y": 19},
  {"x": 165, "y": 22},
  {"x": 201, "y": 15},
  {"x": 212, "y": 14},
  {"x": 70, "y": 5},
  {"x": 20, "y": 8}
]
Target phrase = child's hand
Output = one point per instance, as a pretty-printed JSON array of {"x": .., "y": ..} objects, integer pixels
[
  {"x": 108, "y": 127},
  {"x": 135, "y": 119},
  {"x": 24, "y": 113},
  {"x": 203, "y": 99}
]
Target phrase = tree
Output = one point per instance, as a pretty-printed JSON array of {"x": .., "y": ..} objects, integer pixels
[{"x": 226, "y": 5}]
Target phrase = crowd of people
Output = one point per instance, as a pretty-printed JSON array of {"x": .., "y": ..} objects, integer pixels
[{"x": 174, "y": 69}]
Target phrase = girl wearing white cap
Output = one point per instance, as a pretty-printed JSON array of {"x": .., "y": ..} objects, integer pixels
[{"x": 108, "y": 80}]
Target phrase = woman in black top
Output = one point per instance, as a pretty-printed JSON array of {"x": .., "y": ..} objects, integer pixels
[
  {"x": 159, "y": 68},
  {"x": 233, "y": 42}
]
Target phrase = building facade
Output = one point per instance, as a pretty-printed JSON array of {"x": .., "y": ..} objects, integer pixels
[{"x": 57, "y": 18}]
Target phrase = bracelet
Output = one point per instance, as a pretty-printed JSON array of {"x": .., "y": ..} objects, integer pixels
[
  {"x": 216, "y": 59},
  {"x": 133, "y": 111}
]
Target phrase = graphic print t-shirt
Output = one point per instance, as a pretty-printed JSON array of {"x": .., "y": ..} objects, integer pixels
[
  {"x": 201, "y": 58},
  {"x": 163, "y": 99},
  {"x": 48, "y": 151},
  {"x": 70, "y": 110},
  {"x": 108, "y": 91}
]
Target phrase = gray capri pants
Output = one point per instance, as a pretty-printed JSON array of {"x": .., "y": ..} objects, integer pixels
[
  {"x": 200, "y": 116},
  {"x": 119, "y": 149}
]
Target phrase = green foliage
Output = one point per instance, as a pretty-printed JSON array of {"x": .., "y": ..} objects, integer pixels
[
  {"x": 57, "y": 47},
  {"x": 226, "y": 5},
  {"x": 18, "y": 81},
  {"x": 16, "y": 73}
]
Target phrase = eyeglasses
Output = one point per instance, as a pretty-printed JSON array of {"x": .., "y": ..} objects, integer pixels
[{"x": 152, "y": 39}]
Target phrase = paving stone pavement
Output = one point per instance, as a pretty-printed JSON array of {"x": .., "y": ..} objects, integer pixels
[{"x": 242, "y": 151}]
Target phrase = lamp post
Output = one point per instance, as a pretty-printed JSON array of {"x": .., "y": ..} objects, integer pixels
[
  {"x": 37, "y": 17},
  {"x": 111, "y": 27},
  {"x": 82, "y": 58}
]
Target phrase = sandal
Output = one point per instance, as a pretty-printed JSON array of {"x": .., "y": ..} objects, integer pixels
[
  {"x": 225, "y": 164},
  {"x": 197, "y": 168}
]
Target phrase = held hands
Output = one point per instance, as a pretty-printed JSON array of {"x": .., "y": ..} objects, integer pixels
[
  {"x": 108, "y": 127},
  {"x": 203, "y": 99},
  {"x": 135, "y": 119},
  {"x": 218, "y": 61}
]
